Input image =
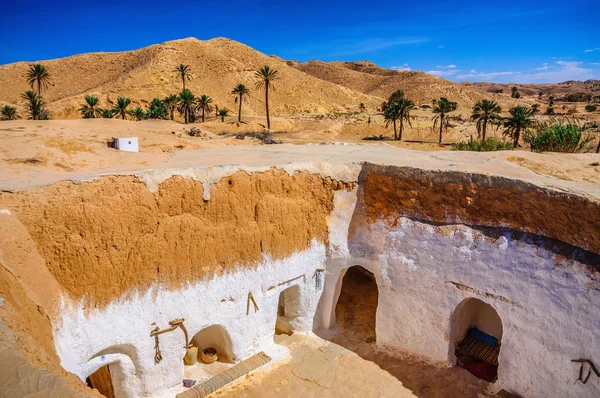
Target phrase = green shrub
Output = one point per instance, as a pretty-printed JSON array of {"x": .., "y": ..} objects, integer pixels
[
  {"x": 590, "y": 108},
  {"x": 556, "y": 136},
  {"x": 490, "y": 144}
]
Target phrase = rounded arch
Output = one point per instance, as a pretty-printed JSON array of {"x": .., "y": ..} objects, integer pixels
[
  {"x": 122, "y": 364},
  {"x": 289, "y": 307},
  {"x": 356, "y": 306},
  {"x": 475, "y": 319},
  {"x": 217, "y": 337}
]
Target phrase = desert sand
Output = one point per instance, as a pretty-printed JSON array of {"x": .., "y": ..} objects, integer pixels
[{"x": 38, "y": 152}]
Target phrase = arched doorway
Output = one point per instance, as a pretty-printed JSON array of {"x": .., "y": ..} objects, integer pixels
[
  {"x": 288, "y": 309},
  {"x": 356, "y": 308},
  {"x": 475, "y": 338},
  {"x": 113, "y": 372},
  {"x": 215, "y": 336},
  {"x": 101, "y": 380}
]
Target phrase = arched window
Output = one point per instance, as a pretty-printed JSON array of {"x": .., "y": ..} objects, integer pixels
[
  {"x": 288, "y": 308},
  {"x": 215, "y": 336},
  {"x": 475, "y": 338}
]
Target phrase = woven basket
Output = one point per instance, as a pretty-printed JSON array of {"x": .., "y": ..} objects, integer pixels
[{"x": 209, "y": 355}]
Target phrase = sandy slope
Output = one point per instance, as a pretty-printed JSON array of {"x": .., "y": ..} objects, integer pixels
[
  {"x": 368, "y": 78},
  {"x": 217, "y": 65}
]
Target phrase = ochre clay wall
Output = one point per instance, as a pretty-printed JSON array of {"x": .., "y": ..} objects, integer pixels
[
  {"x": 390, "y": 192},
  {"x": 112, "y": 236}
]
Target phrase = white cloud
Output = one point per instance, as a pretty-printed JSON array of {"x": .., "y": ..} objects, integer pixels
[
  {"x": 559, "y": 72},
  {"x": 451, "y": 66},
  {"x": 592, "y": 50},
  {"x": 473, "y": 74},
  {"x": 595, "y": 63},
  {"x": 441, "y": 46},
  {"x": 403, "y": 67},
  {"x": 441, "y": 73},
  {"x": 373, "y": 45}
]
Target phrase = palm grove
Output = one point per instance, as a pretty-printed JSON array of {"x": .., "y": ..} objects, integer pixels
[
  {"x": 186, "y": 103},
  {"x": 396, "y": 110},
  {"x": 485, "y": 113}
]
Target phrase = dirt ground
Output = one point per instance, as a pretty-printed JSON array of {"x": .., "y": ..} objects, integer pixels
[
  {"x": 355, "y": 330},
  {"x": 346, "y": 361}
]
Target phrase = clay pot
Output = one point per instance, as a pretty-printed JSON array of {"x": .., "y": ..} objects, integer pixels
[
  {"x": 209, "y": 355},
  {"x": 191, "y": 356}
]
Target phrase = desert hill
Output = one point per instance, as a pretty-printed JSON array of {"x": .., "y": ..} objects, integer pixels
[
  {"x": 368, "y": 78},
  {"x": 569, "y": 91},
  {"x": 217, "y": 65}
]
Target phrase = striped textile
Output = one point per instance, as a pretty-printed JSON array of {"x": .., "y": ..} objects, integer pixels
[
  {"x": 481, "y": 350},
  {"x": 222, "y": 379}
]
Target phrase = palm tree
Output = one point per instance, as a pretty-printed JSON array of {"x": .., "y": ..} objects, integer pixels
[
  {"x": 137, "y": 113},
  {"x": 240, "y": 90},
  {"x": 265, "y": 77},
  {"x": 157, "y": 110},
  {"x": 38, "y": 75},
  {"x": 121, "y": 107},
  {"x": 404, "y": 107},
  {"x": 8, "y": 112},
  {"x": 171, "y": 103},
  {"x": 514, "y": 92},
  {"x": 106, "y": 113},
  {"x": 35, "y": 105},
  {"x": 187, "y": 105},
  {"x": 535, "y": 108},
  {"x": 362, "y": 107},
  {"x": 90, "y": 109},
  {"x": 442, "y": 107},
  {"x": 396, "y": 95},
  {"x": 183, "y": 71},
  {"x": 204, "y": 104},
  {"x": 520, "y": 119},
  {"x": 397, "y": 111},
  {"x": 484, "y": 112},
  {"x": 391, "y": 115},
  {"x": 223, "y": 112}
]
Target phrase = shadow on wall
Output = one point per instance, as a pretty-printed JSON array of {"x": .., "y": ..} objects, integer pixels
[
  {"x": 215, "y": 336},
  {"x": 289, "y": 308}
]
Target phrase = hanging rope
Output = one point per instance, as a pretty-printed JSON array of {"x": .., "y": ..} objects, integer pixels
[{"x": 157, "y": 354}]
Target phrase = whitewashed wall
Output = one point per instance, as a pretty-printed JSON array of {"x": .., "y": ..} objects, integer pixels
[
  {"x": 549, "y": 306},
  {"x": 121, "y": 332}
]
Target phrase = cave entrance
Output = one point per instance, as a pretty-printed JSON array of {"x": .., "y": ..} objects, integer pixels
[
  {"x": 288, "y": 309},
  {"x": 101, "y": 380},
  {"x": 356, "y": 308},
  {"x": 476, "y": 335},
  {"x": 216, "y": 337}
]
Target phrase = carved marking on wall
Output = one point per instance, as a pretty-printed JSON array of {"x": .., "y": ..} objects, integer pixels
[{"x": 469, "y": 289}]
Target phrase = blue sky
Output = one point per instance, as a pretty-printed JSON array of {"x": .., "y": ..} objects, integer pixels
[{"x": 508, "y": 41}]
